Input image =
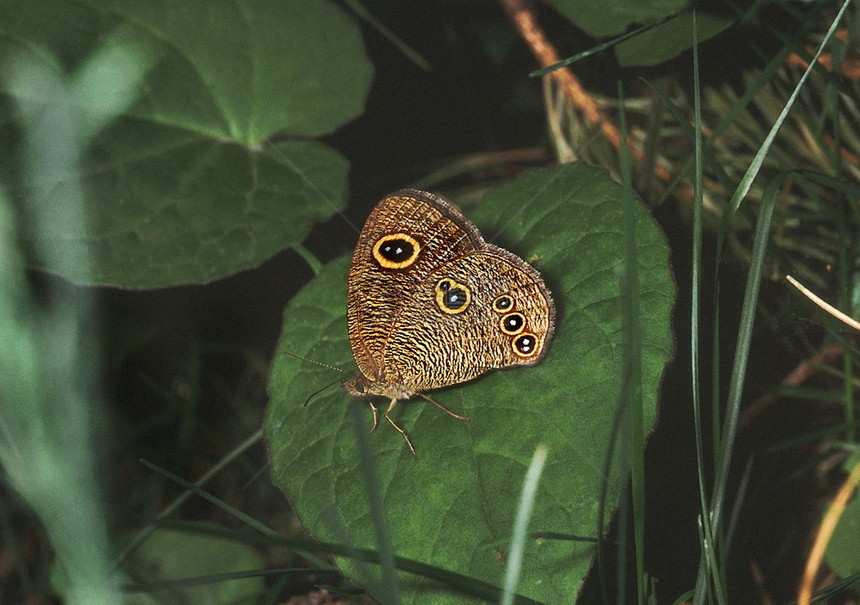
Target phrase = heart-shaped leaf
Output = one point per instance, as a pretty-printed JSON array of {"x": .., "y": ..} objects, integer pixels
[
  {"x": 185, "y": 185},
  {"x": 653, "y": 46},
  {"x": 454, "y": 507}
]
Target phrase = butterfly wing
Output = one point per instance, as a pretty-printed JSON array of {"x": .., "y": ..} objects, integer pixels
[
  {"x": 408, "y": 235},
  {"x": 478, "y": 312}
]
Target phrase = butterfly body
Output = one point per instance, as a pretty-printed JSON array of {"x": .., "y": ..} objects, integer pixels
[{"x": 431, "y": 304}]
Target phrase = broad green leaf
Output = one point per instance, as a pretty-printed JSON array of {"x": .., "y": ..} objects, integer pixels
[
  {"x": 653, "y": 46},
  {"x": 670, "y": 39},
  {"x": 611, "y": 18},
  {"x": 186, "y": 183},
  {"x": 454, "y": 507},
  {"x": 842, "y": 553},
  {"x": 174, "y": 556}
]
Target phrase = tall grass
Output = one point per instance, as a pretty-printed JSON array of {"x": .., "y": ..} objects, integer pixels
[
  {"x": 711, "y": 581},
  {"x": 50, "y": 415}
]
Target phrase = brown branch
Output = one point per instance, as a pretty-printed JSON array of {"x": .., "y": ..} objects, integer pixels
[{"x": 525, "y": 22}]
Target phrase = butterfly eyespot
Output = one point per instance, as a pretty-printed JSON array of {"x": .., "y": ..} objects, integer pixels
[
  {"x": 503, "y": 304},
  {"x": 525, "y": 345},
  {"x": 396, "y": 251},
  {"x": 513, "y": 323},
  {"x": 451, "y": 297}
]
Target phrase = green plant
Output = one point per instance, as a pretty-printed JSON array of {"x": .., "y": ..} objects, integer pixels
[{"x": 197, "y": 144}]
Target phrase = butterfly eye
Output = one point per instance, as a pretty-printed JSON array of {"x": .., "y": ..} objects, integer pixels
[
  {"x": 525, "y": 345},
  {"x": 396, "y": 251},
  {"x": 452, "y": 297},
  {"x": 503, "y": 304},
  {"x": 513, "y": 323}
]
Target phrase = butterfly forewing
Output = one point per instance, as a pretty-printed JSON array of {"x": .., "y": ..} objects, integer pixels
[{"x": 383, "y": 276}]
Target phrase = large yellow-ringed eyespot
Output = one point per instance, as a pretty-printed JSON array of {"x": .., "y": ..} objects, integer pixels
[
  {"x": 452, "y": 297},
  {"x": 513, "y": 323},
  {"x": 526, "y": 345},
  {"x": 503, "y": 304},
  {"x": 396, "y": 250}
]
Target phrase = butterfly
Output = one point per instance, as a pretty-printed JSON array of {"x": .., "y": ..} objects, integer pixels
[{"x": 431, "y": 304}]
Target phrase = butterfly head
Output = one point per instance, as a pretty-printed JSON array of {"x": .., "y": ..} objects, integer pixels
[{"x": 364, "y": 388}]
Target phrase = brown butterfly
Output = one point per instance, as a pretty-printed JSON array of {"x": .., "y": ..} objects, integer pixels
[{"x": 431, "y": 304}]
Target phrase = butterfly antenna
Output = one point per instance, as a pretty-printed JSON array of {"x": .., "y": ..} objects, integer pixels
[
  {"x": 443, "y": 408},
  {"x": 314, "y": 361},
  {"x": 317, "y": 392},
  {"x": 319, "y": 363}
]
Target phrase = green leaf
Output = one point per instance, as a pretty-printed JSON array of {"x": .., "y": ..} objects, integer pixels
[
  {"x": 649, "y": 47},
  {"x": 185, "y": 184},
  {"x": 611, "y": 18},
  {"x": 842, "y": 550},
  {"x": 193, "y": 568},
  {"x": 454, "y": 507},
  {"x": 670, "y": 39}
]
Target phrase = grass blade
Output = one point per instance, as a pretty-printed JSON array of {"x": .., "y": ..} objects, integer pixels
[
  {"x": 521, "y": 523},
  {"x": 713, "y": 514}
]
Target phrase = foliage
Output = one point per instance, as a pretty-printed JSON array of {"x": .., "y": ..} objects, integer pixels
[
  {"x": 148, "y": 146},
  {"x": 190, "y": 183},
  {"x": 454, "y": 506}
]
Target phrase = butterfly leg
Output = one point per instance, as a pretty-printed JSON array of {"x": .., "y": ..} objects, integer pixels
[
  {"x": 375, "y": 415},
  {"x": 398, "y": 429},
  {"x": 443, "y": 408}
]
